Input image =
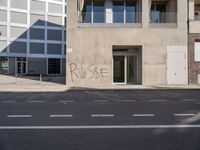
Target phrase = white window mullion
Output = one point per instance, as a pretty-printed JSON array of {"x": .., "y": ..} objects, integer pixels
[
  {"x": 8, "y": 26},
  {"x": 92, "y": 15},
  {"x": 124, "y": 11},
  {"x": 63, "y": 28},
  {"x": 45, "y": 31},
  {"x": 28, "y": 27}
]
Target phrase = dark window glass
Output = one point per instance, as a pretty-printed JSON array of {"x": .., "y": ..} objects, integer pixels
[
  {"x": 130, "y": 12},
  {"x": 158, "y": 13},
  {"x": 3, "y": 65},
  {"x": 54, "y": 66},
  {"x": 118, "y": 11},
  {"x": 87, "y": 12},
  {"x": 99, "y": 12}
]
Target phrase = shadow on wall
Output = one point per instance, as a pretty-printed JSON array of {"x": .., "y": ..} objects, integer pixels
[{"x": 41, "y": 34}]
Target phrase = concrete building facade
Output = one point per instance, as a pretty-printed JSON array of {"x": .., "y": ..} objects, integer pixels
[
  {"x": 194, "y": 42},
  {"x": 32, "y": 37},
  {"x": 127, "y": 42}
]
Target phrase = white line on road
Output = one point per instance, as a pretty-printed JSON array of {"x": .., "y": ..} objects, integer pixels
[
  {"x": 102, "y": 115},
  {"x": 97, "y": 127},
  {"x": 180, "y": 115},
  {"x": 61, "y": 116},
  {"x": 35, "y": 101},
  {"x": 19, "y": 116},
  {"x": 188, "y": 100},
  {"x": 127, "y": 100},
  {"x": 101, "y": 101},
  {"x": 143, "y": 115},
  {"x": 66, "y": 101},
  {"x": 158, "y": 100},
  {"x": 8, "y": 101}
]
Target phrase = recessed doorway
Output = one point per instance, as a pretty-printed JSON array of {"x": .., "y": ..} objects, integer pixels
[{"x": 125, "y": 68}]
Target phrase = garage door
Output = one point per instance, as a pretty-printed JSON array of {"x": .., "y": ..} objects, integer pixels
[{"x": 177, "y": 65}]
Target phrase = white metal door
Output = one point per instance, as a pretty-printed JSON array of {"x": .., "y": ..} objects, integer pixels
[{"x": 176, "y": 67}]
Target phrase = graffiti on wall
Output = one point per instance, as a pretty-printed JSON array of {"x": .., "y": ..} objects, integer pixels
[{"x": 90, "y": 71}]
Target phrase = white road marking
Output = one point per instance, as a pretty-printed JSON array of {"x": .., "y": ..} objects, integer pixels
[
  {"x": 66, "y": 101},
  {"x": 102, "y": 115},
  {"x": 19, "y": 116},
  {"x": 126, "y": 100},
  {"x": 97, "y": 127},
  {"x": 61, "y": 116},
  {"x": 8, "y": 101},
  {"x": 35, "y": 101},
  {"x": 101, "y": 101},
  {"x": 188, "y": 100},
  {"x": 157, "y": 100},
  {"x": 180, "y": 115},
  {"x": 143, "y": 115}
]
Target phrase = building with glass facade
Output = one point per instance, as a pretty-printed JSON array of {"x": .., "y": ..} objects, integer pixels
[{"x": 32, "y": 37}]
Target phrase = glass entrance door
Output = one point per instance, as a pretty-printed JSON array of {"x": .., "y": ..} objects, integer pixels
[
  {"x": 119, "y": 69},
  {"x": 21, "y": 66},
  {"x": 125, "y": 69},
  {"x": 131, "y": 69}
]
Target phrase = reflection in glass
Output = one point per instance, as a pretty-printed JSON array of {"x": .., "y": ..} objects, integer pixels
[
  {"x": 118, "y": 11},
  {"x": 98, "y": 12}
]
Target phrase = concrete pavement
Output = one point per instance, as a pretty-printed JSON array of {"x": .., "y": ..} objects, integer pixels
[
  {"x": 62, "y": 88},
  {"x": 100, "y": 120}
]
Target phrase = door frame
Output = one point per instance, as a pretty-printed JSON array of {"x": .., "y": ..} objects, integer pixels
[
  {"x": 16, "y": 66},
  {"x": 125, "y": 66},
  {"x": 177, "y": 49}
]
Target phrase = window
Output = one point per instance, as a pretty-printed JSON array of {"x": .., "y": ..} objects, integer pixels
[
  {"x": 118, "y": 11},
  {"x": 55, "y": 8},
  {"x": 197, "y": 11},
  {"x": 20, "y": 4},
  {"x": 3, "y": 15},
  {"x": 17, "y": 17},
  {"x": 158, "y": 13},
  {"x": 130, "y": 12},
  {"x": 37, "y": 6},
  {"x": 87, "y": 12},
  {"x": 197, "y": 51},
  {"x": 124, "y": 11},
  {"x": 93, "y": 11},
  {"x": 98, "y": 11},
  {"x": 54, "y": 66},
  {"x": 3, "y": 65}
]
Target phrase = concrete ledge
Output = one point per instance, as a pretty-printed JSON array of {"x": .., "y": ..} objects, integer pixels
[
  {"x": 163, "y": 25},
  {"x": 109, "y": 25}
]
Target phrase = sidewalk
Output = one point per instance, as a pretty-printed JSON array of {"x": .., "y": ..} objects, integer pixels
[
  {"x": 64, "y": 88},
  {"x": 57, "y": 84}
]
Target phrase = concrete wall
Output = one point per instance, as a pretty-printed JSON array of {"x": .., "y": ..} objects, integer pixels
[
  {"x": 194, "y": 67},
  {"x": 90, "y": 49},
  {"x": 194, "y": 34}
]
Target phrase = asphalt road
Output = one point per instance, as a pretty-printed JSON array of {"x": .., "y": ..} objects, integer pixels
[{"x": 101, "y": 120}]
